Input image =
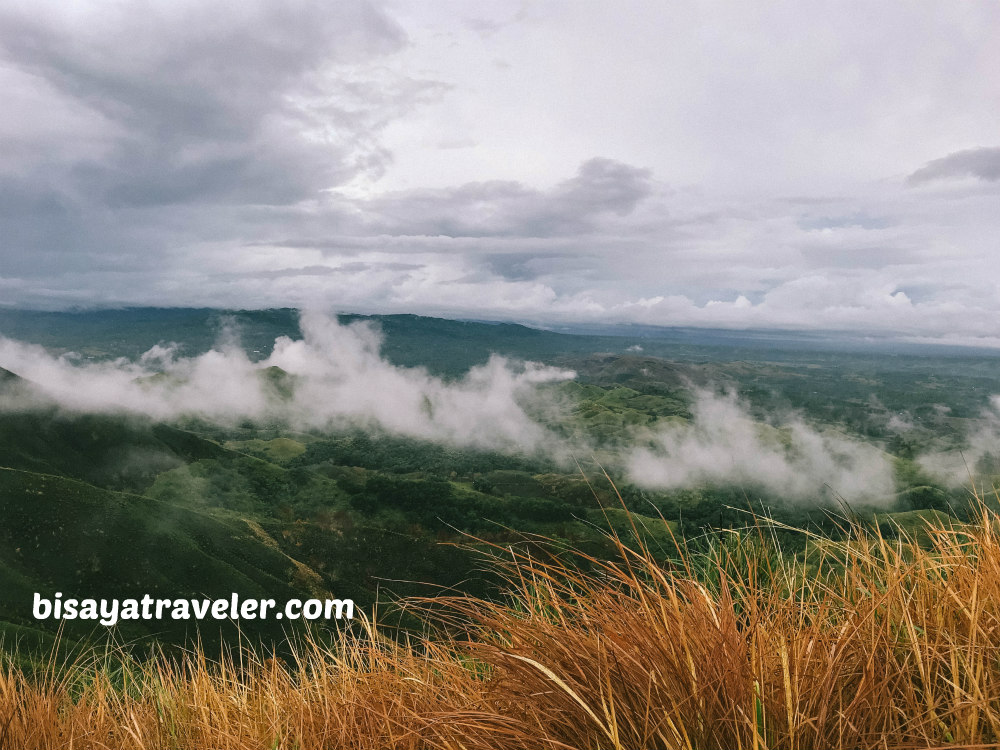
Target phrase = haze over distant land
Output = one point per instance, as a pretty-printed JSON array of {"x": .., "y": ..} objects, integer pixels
[
  {"x": 798, "y": 165},
  {"x": 330, "y": 377}
]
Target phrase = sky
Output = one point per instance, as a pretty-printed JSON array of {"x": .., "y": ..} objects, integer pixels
[{"x": 820, "y": 165}]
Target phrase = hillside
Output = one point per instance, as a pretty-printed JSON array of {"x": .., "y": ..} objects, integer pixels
[
  {"x": 126, "y": 504},
  {"x": 64, "y": 535}
]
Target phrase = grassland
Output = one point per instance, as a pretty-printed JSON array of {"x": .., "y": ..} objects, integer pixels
[
  {"x": 645, "y": 619},
  {"x": 885, "y": 644}
]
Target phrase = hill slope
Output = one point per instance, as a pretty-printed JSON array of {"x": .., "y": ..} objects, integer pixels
[{"x": 64, "y": 535}]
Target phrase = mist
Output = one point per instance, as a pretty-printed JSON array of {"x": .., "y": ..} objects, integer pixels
[
  {"x": 980, "y": 453},
  {"x": 333, "y": 378},
  {"x": 724, "y": 445}
]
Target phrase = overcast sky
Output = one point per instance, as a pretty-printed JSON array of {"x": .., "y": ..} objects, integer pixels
[{"x": 829, "y": 165}]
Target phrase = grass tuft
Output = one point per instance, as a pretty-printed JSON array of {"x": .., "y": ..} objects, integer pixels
[{"x": 867, "y": 642}]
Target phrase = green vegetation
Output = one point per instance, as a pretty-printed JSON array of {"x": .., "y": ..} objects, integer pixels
[
  {"x": 102, "y": 504},
  {"x": 880, "y": 643},
  {"x": 64, "y": 535}
]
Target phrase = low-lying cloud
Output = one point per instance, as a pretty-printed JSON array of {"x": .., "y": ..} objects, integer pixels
[
  {"x": 724, "y": 445},
  {"x": 333, "y": 378},
  {"x": 979, "y": 455}
]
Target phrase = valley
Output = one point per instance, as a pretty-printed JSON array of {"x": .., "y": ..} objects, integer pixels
[{"x": 381, "y": 504}]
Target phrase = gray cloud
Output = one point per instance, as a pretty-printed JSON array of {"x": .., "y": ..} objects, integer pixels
[
  {"x": 353, "y": 268},
  {"x": 517, "y": 266},
  {"x": 207, "y": 101},
  {"x": 374, "y": 156},
  {"x": 132, "y": 129},
  {"x": 981, "y": 163},
  {"x": 600, "y": 188}
]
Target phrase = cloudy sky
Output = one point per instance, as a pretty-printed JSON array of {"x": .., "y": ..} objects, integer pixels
[{"x": 831, "y": 165}]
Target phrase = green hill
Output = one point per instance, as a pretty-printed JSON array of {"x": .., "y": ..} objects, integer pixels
[
  {"x": 115, "y": 505},
  {"x": 117, "y": 452},
  {"x": 64, "y": 535}
]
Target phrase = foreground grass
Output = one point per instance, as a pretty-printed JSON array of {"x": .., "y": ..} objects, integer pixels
[{"x": 877, "y": 644}]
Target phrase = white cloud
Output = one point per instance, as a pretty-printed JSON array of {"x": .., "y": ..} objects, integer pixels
[
  {"x": 980, "y": 451},
  {"x": 724, "y": 445},
  {"x": 338, "y": 380},
  {"x": 335, "y": 377}
]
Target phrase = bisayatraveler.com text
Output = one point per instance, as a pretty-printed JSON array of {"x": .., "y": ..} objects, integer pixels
[{"x": 110, "y": 612}]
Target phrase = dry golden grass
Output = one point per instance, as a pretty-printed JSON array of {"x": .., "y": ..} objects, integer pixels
[{"x": 887, "y": 645}]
